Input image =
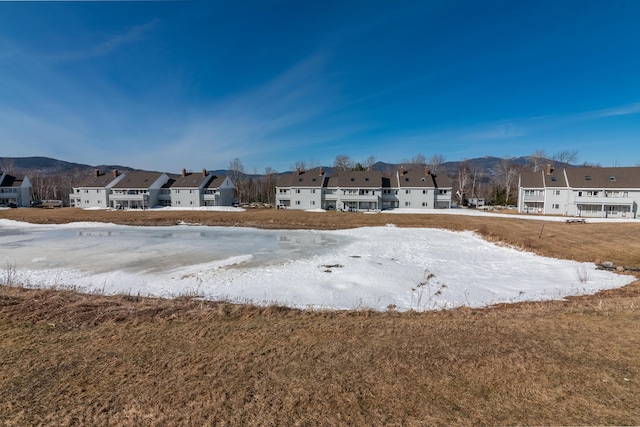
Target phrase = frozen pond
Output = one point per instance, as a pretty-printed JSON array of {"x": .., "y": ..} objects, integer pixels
[{"x": 375, "y": 267}]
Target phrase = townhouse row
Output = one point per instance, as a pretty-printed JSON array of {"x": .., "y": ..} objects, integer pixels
[
  {"x": 581, "y": 191},
  {"x": 141, "y": 190},
  {"x": 363, "y": 190}
]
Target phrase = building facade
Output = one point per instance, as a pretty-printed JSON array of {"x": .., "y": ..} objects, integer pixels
[
  {"x": 93, "y": 191},
  {"x": 143, "y": 190},
  {"x": 363, "y": 190},
  {"x": 582, "y": 191},
  {"x": 15, "y": 190}
]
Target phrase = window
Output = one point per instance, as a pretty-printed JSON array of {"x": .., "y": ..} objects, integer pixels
[
  {"x": 557, "y": 192},
  {"x": 556, "y": 206},
  {"x": 297, "y": 202},
  {"x": 353, "y": 179},
  {"x": 423, "y": 179},
  {"x": 313, "y": 191},
  {"x": 313, "y": 180},
  {"x": 424, "y": 204},
  {"x": 297, "y": 191},
  {"x": 407, "y": 203},
  {"x": 406, "y": 179},
  {"x": 407, "y": 191},
  {"x": 587, "y": 178},
  {"x": 366, "y": 179},
  {"x": 554, "y": 179},
  {"x": 442, "y": 192},
  {"x": 424, "y": 191},
  {"x": 612, "y": 178},
  {"x": 313, "y": 202}
]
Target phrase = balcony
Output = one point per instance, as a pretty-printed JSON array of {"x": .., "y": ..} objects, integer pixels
[
  {"x": 533, "y": 199},
  {"x": 601, "y": 200}
]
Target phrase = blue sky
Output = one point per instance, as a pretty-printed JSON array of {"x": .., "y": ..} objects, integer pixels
[{"x": 194, "y": 84}]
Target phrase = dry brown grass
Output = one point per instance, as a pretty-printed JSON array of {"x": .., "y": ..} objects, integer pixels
[{"x": 73, "y": 359}]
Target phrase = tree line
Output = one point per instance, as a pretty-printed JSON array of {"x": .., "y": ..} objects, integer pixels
[{"x": 497, "y": 185}]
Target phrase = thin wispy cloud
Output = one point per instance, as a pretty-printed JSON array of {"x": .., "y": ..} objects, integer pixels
[
  {"x": 623, "y": 110},
  {"x": 266, "y": 118},
  {"x": 502, "y": 131},
  {"x": 107, "y": 46}
]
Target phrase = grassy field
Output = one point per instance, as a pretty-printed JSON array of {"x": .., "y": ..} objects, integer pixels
[{"x": 73, "y": 359}]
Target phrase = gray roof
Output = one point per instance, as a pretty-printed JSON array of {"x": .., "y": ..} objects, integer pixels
[
  {"x": 584, "y": 177},
  {"x": 216, "y": 182},
  {"x": 360, "y": 179},
  {"x": 416, "y": 178},
  {"x": 190, "y": 180},
  {"x": 102, "y": 180},
  {"x": 12, "y": 180},
  {"x": 138, "y": 180},
  {"x": 310, "y": 178},
  {"x": 331, "y": 182}
]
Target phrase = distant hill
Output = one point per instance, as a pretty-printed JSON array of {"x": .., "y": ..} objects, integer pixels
[{"x": 49, "y": 166}]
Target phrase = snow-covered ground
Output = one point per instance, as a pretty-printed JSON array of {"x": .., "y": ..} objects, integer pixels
[{"x": 374, "y": 267}]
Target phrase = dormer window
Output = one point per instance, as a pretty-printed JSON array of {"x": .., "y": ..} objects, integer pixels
[
  {"x": 554, "y": 179},
  {"x": 299, "y": 179},
  {"x": 406, "y": 179},
  {"x": 353, "y": 179},
  {"x": 423, "y": 179},
  {"x": 366, "y": 179},
  {"x": 587, "y": 178},
  {"x": 313, "y": 180},
  {"x": 612, "y": 178}
]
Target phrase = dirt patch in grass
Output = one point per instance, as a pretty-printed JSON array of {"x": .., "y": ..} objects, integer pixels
[{"x": 75, "y": 359}]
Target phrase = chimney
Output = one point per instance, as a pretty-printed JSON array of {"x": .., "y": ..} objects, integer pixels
[
  {"x": 204, "y": 172},
  {"x": 184, "y": 172},
  {"x": 320, "y": 171},
  {"x": 401, "y": 170},
  {"x": 549, "y": 170},
  {"x": 297, "y": 171},
  {"x": 96, "y": 173},
  {"x": 426, "y": 170},
  {"x": 115, "y": 173}
]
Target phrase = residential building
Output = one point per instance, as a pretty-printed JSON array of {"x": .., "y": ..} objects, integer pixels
[
  {"x": 301, "y": 190},
  {"x": 138, "y": 190},
  {"x": 187, "y": 190},
  {"x": 219, "y": 191},
  {"x": 15, "y": 190},
  {"x": 359, "y": 191},
  {"x": 363, "y": 190},
  {"x": 581, "y": 191},
  {"x": 141, "y": 190},
  {"x": 420, "y": 189},
  {"x": 94, "y": 190}
]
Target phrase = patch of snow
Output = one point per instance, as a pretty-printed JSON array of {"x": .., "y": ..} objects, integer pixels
[{"x": 372, "y": 267}]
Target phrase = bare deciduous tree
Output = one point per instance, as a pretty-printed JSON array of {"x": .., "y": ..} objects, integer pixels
[
  {"x": 343, "y": 162},
  {"x": 566, "y": 156},
  {"x": 419, "y": 161},
  {"x": 463, "y": 177},
  {"x": 477, "y": 175},
  {"x": 8, "y": 164},
  {"x": 435, "y": 162},
  {"x": 537, "y": 159},
  {"x": 369, "y": 162},
  {"x": 506, "y": 177}
]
